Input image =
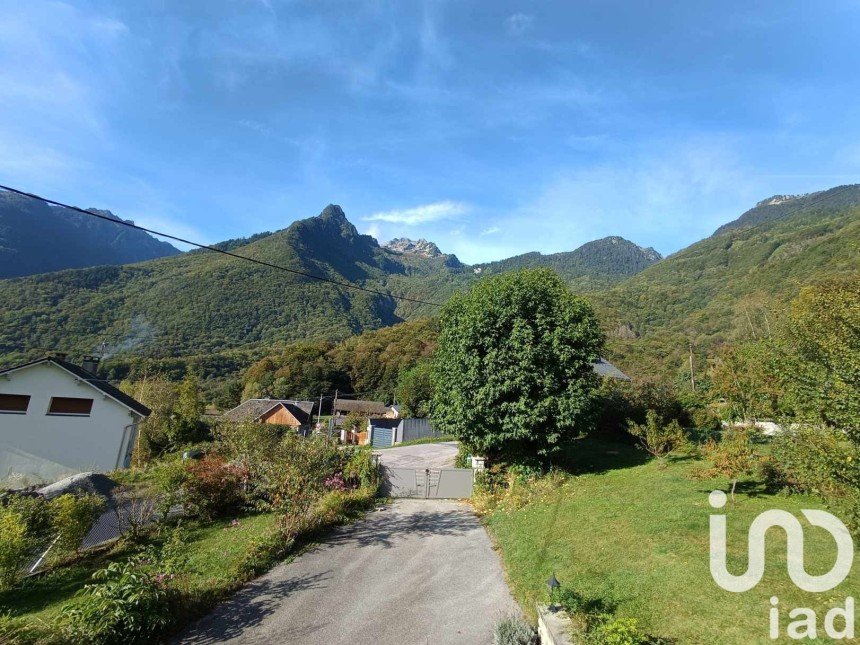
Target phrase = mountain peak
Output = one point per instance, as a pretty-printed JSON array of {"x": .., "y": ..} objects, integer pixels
[
  {"x": 334, "y": 212},
  {"x": 779, "y": 207},
  {"x": 649, "y": 253},
  {"x": 421, "y": 248}
]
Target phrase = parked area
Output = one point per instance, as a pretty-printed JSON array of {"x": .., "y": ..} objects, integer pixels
[
  {"x": 414, "y": 571},
  {"x": 426, "y": 455}
]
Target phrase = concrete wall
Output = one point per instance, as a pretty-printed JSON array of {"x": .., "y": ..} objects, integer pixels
[{"x": 97, "y": 442}]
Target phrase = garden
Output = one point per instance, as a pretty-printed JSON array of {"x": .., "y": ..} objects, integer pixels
[{"x": 201, "y": 528}]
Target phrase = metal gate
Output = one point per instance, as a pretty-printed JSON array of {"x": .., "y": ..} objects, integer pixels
[{"x": 427, "y": 483}]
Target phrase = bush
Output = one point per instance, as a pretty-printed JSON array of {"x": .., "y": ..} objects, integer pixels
[
  {"x": 732, "y": 457},
  {"x": 617, "y": 631},
  {"x": 15, "y": 548},
  {"x": 463, "y": 458},
  {"x": 824, "y": 462},
  {"x": 513, "y": 630},
  {"x": 656, "y": 437},
  {"x": 127, "y": 603},
  {"x": 359, "y": 468},
  {"x": 36, "y": 514},
  {"x": 72, "y": 517},
  {"x": 212, "y": 487}
]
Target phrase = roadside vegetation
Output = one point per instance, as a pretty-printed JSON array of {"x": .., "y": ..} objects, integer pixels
[{"x": 256, "y": 497}]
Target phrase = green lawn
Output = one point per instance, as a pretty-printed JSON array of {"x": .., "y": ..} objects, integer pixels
[{"x": 627, "y": 531}]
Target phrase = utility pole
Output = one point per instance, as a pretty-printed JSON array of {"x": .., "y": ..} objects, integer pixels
[
  {"x": 333, "y": 408},
  {"x": 692, "y": 378},
  {"x": 319, "y": 411}
]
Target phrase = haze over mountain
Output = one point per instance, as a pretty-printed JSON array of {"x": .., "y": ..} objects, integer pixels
[
  {"x": 38, "y": 238},
  {"x": 202, "y": 301}
]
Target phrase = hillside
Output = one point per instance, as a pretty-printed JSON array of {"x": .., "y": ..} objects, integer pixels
[
  {"x": 729, "y": 286},
  {"x": 783, "y": 206},
  {"x": 203, "y": 302},
  {"x": 593, "y": 265},
  {"x": 38, "y": 238}
]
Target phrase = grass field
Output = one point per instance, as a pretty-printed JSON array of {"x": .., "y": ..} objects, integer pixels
[{"x": 625, "y": 530}]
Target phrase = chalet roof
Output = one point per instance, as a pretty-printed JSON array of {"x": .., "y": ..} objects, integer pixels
[
  {"x": 90, "y": 379},
  {"x": 362, "y": 407},
  {"x": 607, "y": 370},
  {"x": 253, "y": 409}
]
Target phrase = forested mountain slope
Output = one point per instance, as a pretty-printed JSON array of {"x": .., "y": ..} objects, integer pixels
[
  {"x": 732, "y": 285},
  {"x": 596, "y": 264},
  {"x": 202, "y": 302},
  {"x": 38, "y": 238}
]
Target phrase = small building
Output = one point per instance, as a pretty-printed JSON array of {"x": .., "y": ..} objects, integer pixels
[
  {"x": 607, "y": 370},
  {"x": 390, "y": 432},
  {"x": 289, "y": 412},
  {"x": 344, "y": 407},
  {"x": 59, "y": 419}
]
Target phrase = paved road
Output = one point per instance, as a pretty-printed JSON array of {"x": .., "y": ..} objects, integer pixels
[
  {"x": 423, "y": 455},
  {"x": 416, "y": 571}
]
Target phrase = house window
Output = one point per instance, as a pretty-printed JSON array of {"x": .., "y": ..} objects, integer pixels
[
  {"x": 70, "y": 406},
  {"x": 14, "y": 403}
]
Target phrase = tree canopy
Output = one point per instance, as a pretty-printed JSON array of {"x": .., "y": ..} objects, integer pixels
[{"x": 513, "y": 368}]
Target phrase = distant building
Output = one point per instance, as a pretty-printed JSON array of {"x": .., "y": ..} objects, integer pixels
[
  {"x": 288, "y": 412},
  {"x": 59, "y": 419},
  {"x": 343, "y": 407},
  {"x": 607, "y": 370}
]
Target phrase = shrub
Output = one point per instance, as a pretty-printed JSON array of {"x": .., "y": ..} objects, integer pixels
[
  {"x": 733, "y": 457},
  {"x": 127, "y": 603},
  {"x": 72, "y": 517},
  {"x": 15, "y": 548},
  {"x": 212, "y": 487},
  {"x": 513, "y": 630},
  {"x": 463, "y": 460},
  {"x": 824, "y": 462},
  {"x": 359, "y": 468},
  {"x": 617, "y": 631},
  {"x": 36, "y": 514},
  {"x": 657, "y": 438},
  {"x": 575, "y": 603}
]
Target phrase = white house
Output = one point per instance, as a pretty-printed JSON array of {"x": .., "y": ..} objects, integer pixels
[{"x": 58, "y": 419}]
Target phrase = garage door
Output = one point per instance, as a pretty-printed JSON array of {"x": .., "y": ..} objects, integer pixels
[{"x": 382, "y": 437}]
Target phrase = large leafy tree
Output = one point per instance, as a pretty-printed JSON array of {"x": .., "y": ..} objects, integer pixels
[
  {"x": 513, "y": 368},
  {"x": 821, "y": 349}
]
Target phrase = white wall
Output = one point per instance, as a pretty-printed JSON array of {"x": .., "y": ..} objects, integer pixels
[{"x": 77, "y": 443}]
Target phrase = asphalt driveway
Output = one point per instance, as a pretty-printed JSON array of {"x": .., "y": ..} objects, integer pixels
[
  {"x": 415, "y": 571},
  {"x": 422, "y": 455}
]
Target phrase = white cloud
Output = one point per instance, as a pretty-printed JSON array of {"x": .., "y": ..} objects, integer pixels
[
  {"x": 374, "y": 230},
  {"x": 491, "y": 231},
  {"x": 420, "y": 214},
  {"x": 519, "y": 23}
]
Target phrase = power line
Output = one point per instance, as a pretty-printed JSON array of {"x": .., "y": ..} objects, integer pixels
[{"x": 339, "y": 283}]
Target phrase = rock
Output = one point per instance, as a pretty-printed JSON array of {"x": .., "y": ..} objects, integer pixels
[{"x": 95, "y": 483}]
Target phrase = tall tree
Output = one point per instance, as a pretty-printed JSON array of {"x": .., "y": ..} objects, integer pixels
[
  {"x": 513, "y": 369},
  {"x": 821, "y": 369}
]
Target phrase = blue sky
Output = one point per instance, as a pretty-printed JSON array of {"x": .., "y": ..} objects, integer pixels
[{"x": 491, "y": 128}]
